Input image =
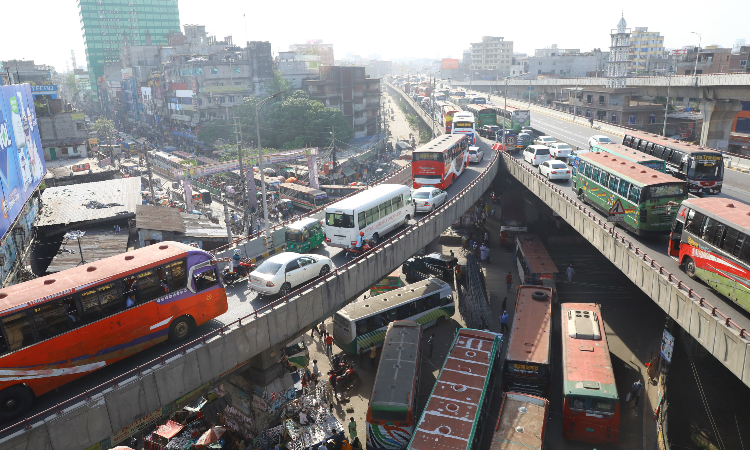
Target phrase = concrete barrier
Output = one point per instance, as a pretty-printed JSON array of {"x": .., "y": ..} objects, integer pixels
[{"x": 717, "y": 333}]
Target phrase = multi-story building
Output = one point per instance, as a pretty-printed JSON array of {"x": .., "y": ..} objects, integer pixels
[
  {"x": 714, "y": 59},
  {"x": 565, "y": 62},
  {"x": 493, "y": 53},
  {"x": 644, "y": 45},
  {"x": 27, "y": 72},
  {"x": 378, "y": 69},
  {"x": 296, "y": 67},
  {"x": 619, "y": 50},
  {"x": 619, "y": 106},
  {"x": 106, "y": 24},
  {"x": 348, "y": 89},
  {"x": 315, "y": 47},
  {"x": 63, "y": 132}
]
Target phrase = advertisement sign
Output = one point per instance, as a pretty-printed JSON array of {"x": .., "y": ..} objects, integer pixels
[
  {"x": 80, "y": 167},
  {"x": 223, "y": 89},
  {"x": 667, "y": 346},
  {"x": 450, "y": 64},
  {"x": 93, "y": 141},
  {"x": 285, "y": 156},
  {"x": 22, "y": 164},
  {"x": 46, "y": 89},
  {"x": 77, "y": 117}
]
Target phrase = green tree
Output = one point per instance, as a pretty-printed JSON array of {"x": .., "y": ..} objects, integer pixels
[
  {"x": 211, "y": 131},
  {"x": 277, "y": 84},
  {"x": 70, "y": 82},
  {"x": 105, "y": 128}
]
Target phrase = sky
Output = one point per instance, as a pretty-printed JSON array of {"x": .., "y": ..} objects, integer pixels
[{"x": 391, "y": 28}]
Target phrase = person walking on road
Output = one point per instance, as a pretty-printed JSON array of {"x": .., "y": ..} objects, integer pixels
[
  {"x": 431, "y": 342},
  {"x": 257, "y": 223},
  {"x": 373, "y": 354},
  {"x": 329, "y": 344},
  {"x": 504, "y": 322},
  {"x": 635, "y": 392},
  {"x": 322, "y": 331},
  {"x": 352, "y": 428},
  {"x": 509, "y": 280},
  {"x": 570, "y": 272},
  {"x": 591, "y": 121}
]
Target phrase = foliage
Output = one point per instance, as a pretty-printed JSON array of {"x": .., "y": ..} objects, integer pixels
[
  {"x": 189, "y": 162},
  {"x": 70, "y": 82},
  {"x": 41, "y": 108},
  {"x": 413, "y": 121},
  {"x": 277, "y": 84},
  {"x": 214, "y": 130},
  {"x": 425, "y": 135},
  {"x": 104, "y": 127}
]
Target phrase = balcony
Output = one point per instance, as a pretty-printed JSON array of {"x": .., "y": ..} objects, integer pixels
[{"x": 360, "y": 120}]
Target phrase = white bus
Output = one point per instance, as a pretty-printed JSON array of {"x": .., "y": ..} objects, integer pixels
[
  {"x": 375, "y": 211},
  {"x": 363, "y": 323},
  {"x": 463, "y": 123}
]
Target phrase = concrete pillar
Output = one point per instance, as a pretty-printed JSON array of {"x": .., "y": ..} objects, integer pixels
[
  {"x": 266, "y": 365},
  {"x": 718, "y": 116}
]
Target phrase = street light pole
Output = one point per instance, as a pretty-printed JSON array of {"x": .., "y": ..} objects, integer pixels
[
  {"x": 666, "y": 106},
  {"x": 258, "y": 109},
  {"x": 695, "y": 70}
]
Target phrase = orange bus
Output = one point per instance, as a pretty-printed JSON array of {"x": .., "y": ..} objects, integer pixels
[
  {"x": 591, "y": 407},
  {"x": 60, "y": 327}
]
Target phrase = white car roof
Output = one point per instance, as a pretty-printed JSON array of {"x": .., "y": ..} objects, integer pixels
[
  {"x": 283, "y": 258},
  {"x": 427, "y": 189},
  {"x": 558, "y": 144}
]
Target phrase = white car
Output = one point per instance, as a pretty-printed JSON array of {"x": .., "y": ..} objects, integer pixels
[
  {"x": 555, "y": 170},
  {"x": 280, "y": 273},
  {"x": 600, "y": 140},
  {"x": 428, "y": 198},
  {"x": 560, "y": 150},
  {"x": 536, "y": 154},
  {"x": 544, "y": 140},
  {"x": 476, "y": 154}
]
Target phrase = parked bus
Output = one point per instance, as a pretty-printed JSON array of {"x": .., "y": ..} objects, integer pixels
[
  {"x": 458, "y": 409},
  {"x": 645, "y": 194},
  {"x": 528, "y": 364},
  {"x": 393, "y": 402},
  {"x": 521, "y": 424},
  {"x": 375, "y": 211},
  {"x": 464, "y": 123},
  {"x": 303, "y": 196},
  {"x": 591, "y": 406},
  {"x": 710, "y": 240},
  {"x": 632, "y": 155},
  {"x": 439, "y": 162},
  {"x": 336, "y": 192},
  {"x": 304, "y": 235},
  {"x": 477, "y": 100},
  {"x": 60, "y": 327},
  {"x": 272, "y": 183},
  {"x": 535, "y": 267},
  {"x": 703, "y": 168},
  {"x": 448, "y": 111},
  {"x": 512, "y": 218},
  {"x": 514, "y": 118},
  {"x": 482, "y": 114},
  {"x": 362, "y": 323}
]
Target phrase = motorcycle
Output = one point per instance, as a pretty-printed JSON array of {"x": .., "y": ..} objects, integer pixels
[
  {"x": 344, "y": 379},
  {"x": 231, "y": 275},
  {"x": 354, "y": 252},
  {"x": 495, "y": 198}
]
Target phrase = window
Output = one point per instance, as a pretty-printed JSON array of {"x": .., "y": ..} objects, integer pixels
[
  {"x": 398, "y": 202},
  {"x": 51, "y": 318},
  {"x": 175, "y": 275},
  {"x": 362, "y": 327},
  {"x": 738, "y": 245},
  {"x": 385, "y": 208},
  {"x": 372, "y": 215},
  {"x": 292, "y": 265},
  {"x": 631, "y": 119},
  {"x": 361, "y": 220},
  {"x": 101, "y": 301},
  {"x": 416, "y": 307},
  {"x": 624, "y": 188},
  {"x": 205, "y": 280},
  {"x": 150, "y": 285},
  {"x": 375, "y": 322},
  {"x": 652, "y": 118},
  {"x": 604, "y": 179},
  {"x": 730, "y": 239},
  {"x": 18, "y": 332},
  {"x": 595, "y": 174},
  {"x": 635, "y": 194},
  {"x": 613, "y": 183},
  {"x": 696, "y": 225}
]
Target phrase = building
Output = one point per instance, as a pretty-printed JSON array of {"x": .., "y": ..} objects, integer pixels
[
  {"x": 63, "y": 134},
  {"x": 492, "y": 54},
  {"x": 644, "y": 45},
  {"x": 19, "y": 72},
  {"x": 714, "y": 59},
  {"x": 619, "y": 65},
  {"x": 108, "y": 24},
  {"x": 158, "y": 224},
  {"x": 295, "y": 67},
  {"x": 348, "y": 89},
  {"x": 619, "y": 106},
  {"x": 315, "y": 47},
  {"x": 554, "y": 62}
]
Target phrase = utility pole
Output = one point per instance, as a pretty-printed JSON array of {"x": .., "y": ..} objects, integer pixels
[
  {"x": 150, "y": 179},
  {"x": 333, "y": 150},
  {"x": 227, "y": 222},
  {"x": 246, "y": 220}
]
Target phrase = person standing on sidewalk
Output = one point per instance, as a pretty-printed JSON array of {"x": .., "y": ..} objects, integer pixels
[
  {"x": 352, "y": 428},
  {"x": 373, "y": 354},
  {"x": 431, "y": 342},
  {"x": 509, "y": 280},
  {"x": 329, "y": 344},
  {"x": 504, "y": 322},
  {"x": 322, "y": 331},
  {"x": 570, "y": 272}
]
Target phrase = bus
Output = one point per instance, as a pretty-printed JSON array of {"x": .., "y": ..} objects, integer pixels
[
  {"x": 362, "y": 323},
  {"x": 438, "y": 111},
  {"x": 632, "y": 155},
  {"x": 303, "y": 196},
  {"x": 710, "y": 241},
  {"x": 535, "y": 267},
  {"x": 60, "y": 327},
  {"x": 645, "y": 194},
  {"x": 477, "y": 100},
  {"x": 528, "y": 363},
  {"x": 521, "y": 424},
  {"x": 272, "y": 183},
  {"x": 514, "y": 119},
  {"x": 336, "y": 192},
  {"x": 464, "y": 123},
  {"x": 458, "y": 409},
  {"x": 482, "y": 114},
  {"x": 446, "y": 114},
  {"x": 703, "y": 168},
  {"x": 591, "y": 407},
  {"x": 375, "y": 211},
  {"x": 393, "y": 402},
  {"x": 439, "y": 162},
  {"x": 512, "y": 218}
]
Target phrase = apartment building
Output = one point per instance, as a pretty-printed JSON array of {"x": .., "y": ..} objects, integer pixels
[
  {"x": 644, "y": 45},
  {"x": 493, "y": 53}
]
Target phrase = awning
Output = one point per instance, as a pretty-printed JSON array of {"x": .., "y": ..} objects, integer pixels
[{"x": 347, "y": 172}]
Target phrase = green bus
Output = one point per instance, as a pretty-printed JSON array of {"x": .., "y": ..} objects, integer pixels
[
  {"x": 645, "y": 194},
  {"x": 363, "y": 323},
  {"x": 304, "y": 235},
  {"x": 632, "y": 155},
  {"x": 515, "y": 119},
  {"x": 483, "y": 115}
]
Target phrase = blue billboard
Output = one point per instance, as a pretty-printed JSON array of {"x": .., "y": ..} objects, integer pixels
[{"x": 22, "y": 164}]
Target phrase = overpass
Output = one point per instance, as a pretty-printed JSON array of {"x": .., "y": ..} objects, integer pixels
[{"x": 91, "y": 417}]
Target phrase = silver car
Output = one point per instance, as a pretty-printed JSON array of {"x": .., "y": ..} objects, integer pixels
[{"x": 428, "y": 198}]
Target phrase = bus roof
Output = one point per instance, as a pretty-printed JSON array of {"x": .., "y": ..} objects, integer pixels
[
  {"x": 365, "y": 197},
  {"x": 537, "y": 256},
  {"x": 453, "y": 409},
  {"x": 671, "y": 143},
  {"x": 530, "y": 335},
  {"x": 635, "y": 172},
  {"x": 299, "y": 187},
  {"x": 479, "y": 107},
  {"x": 441, "y": 143},
  {"x": 507, "y": 108},
  {"x": 394, "y": 381},
  {"x": 368, "y": 306},
  {"x": 520, "y": 431},
  {"x": 587, "y": 367},
  {"x": 730, "y": 210},
  {"x": 625, "y": 152},
  {"x": 84, "y": 276}
]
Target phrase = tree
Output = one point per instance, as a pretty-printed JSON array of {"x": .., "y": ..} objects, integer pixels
[
  {"x": 70, "y": 82},
  {"x": 104, "y": 128},
  {"x": 277, "y": 84},
  {"x": 214, "y": 130}
]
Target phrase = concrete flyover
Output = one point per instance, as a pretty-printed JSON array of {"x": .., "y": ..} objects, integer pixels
[
  {"x": 426, "y": 118},
  {"x": 722, "y": 337},
  {"x": 90, "y": 418}
]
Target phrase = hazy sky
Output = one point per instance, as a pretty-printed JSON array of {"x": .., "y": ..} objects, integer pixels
[{"x": 46, "y": 31}]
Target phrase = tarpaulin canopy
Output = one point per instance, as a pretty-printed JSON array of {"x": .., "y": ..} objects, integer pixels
[{"x": 169, "y": 429}]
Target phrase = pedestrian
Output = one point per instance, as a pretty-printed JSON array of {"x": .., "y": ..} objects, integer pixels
[
  {"x": 352, "y": 428},
  {"x": 329, "y": 344},
  {"x": 570, "y": 272},
  {"x": 509, "y": 280},
  {"x": 257, "y": 222},
  {"x": 591, "y": 121},
  {"x": 316, "y": 369},
  {"x": 313, "y": 330},
  {"x": 431, "y": 341},
  {"x": 361, "y": 357},
  {"x": 373, "y": 354},
  {"x": 504, "y": 322},
  {"x": 322, "y": 330},
  {"x": 505, "y": 303},
  {"x": 635, "y": 392}
]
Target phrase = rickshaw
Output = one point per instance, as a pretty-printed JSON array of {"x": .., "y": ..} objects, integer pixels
[{"x": 304, "y": 235}]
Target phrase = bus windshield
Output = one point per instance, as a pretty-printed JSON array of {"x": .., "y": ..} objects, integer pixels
[
  {"x": 427, "y": 156},
  {"x": 462, "y": 124},
  {"x": 664, "y": 190},
  {"x": 340, "y": 220},
  {"x": 705, "y": 170},
  {"x": 590, "y": 404},
  {"x": 389, "y": 416},
  {"x": 656, "y": 165}
]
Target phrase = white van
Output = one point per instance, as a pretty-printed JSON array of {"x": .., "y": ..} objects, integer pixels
[{"x": 536, "y": 154}]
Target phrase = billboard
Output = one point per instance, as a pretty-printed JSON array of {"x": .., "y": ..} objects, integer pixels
[
  {"x": 22, "y": 164},
  {"x": 450, "y": 64}
]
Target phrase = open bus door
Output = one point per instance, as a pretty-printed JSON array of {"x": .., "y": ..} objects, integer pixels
[{"x": 675, "y": 236}]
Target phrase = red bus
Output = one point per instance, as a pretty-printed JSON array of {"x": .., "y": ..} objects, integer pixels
[
  {"x": 447, "y": 116},
  {"x": 591, "y": 407},
  {"x": 440, "y": 161},
  {"x": 57, "y": 328},
  {"x": 521, "y": 424}
]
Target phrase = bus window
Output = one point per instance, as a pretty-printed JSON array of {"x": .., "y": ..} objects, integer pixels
[
  {"x": 613, "y": 182},
  {"x": 738, "y": 245},
  {"x": 389, "y": 316},
  {"x": 362, "y": 327},
  {"x": 595, "y": 174},
  {"x": 403, "y": 310},
  {"x": 205, "y": 280},
  {"x": 361, "y": 219},
  {"x": 448, "y": 299},
  {"x": 340, "y": 220},
  {"x": 398, "y": 202},
  {"x": 635, "y": 194},
  {"x": 433, "y": 301},
  {"x": 176, "y": 275},
  {"x": 729, "y": 240},
  {"x": 624, "y": 188},
  {"x": 745, "y": 253},
  {"x": 408, "y": 199},
  {"x": 149, "y": 286},
  {"x": 604, "y": 179},
  {"x": 372, "y": 215},
  {"x": 18, "y": 331},
  {"x": 416, "y": 307},
  {"x": 52, "y": 319},
  {"x": 101, "y": 301},
  {"x": 385, "y": 208},
  {"x": 374, "y": 322}
]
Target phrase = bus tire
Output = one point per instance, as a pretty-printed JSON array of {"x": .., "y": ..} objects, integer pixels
[
  {"x": 582, "y": 196},
  {"x": 15, "y": 401},
  {"x": 180, "y": 329},
  {"x": 689, "y": 266}
]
